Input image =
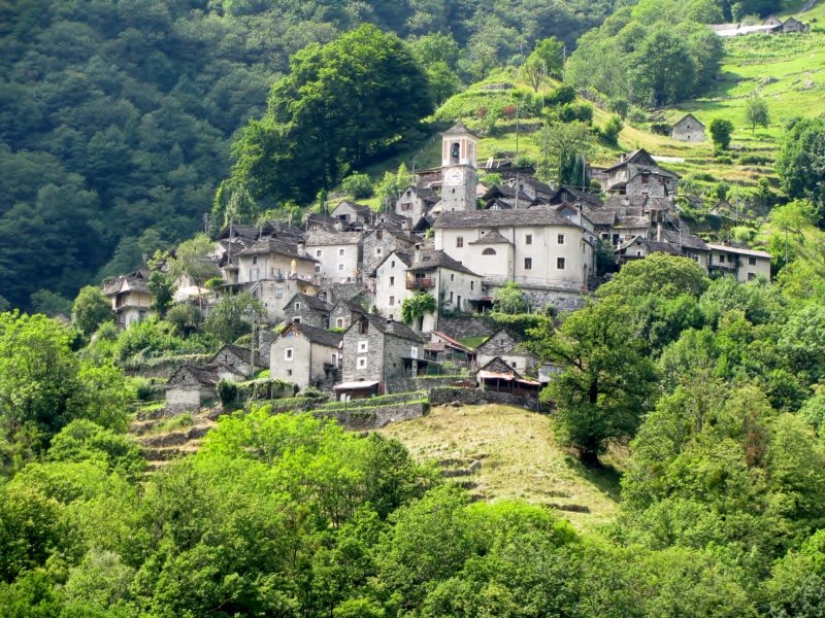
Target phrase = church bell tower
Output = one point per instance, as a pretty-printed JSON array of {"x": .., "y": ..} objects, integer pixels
[{"x": 459, "y": 148}]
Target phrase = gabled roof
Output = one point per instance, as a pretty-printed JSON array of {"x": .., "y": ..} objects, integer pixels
[
  {"x": 323, "y": 238},
  {"x": 388, "y": 327},
  {"x": 245, "y": 354},
  {"x": 239, "y": 230},
  {"x": 453, "y": 343},
  {"x": 312, "y": 302},
  {"x": 404, "y": 256},
  {"x": 361, "y": 209},
  {"x": 351, "y": 304},
  {"x": 578, "y": 195},
  {"x": 432, "y": 259},
  {"x": 275, "y": 246},
  {"x": 510, "y": 336},
  {"x": 459, "y": 129},
  {"x": 685, "y": 239},
  {"x": 637, "y": 157},
  {"x": 523, "y": 217},
  {"x": 133, "y": 282},
  {"x": 499, "y": 366},
  {"x": 538, "y": 185},
  {"x": 395, "y": 232},
  {"x": 314, "y": 335},
  {"x": 740, "y": 251},
  {"x": 687, "y": 117},
  {"x": 492, "y": 238},
  {"x": 651, "y": 246}
]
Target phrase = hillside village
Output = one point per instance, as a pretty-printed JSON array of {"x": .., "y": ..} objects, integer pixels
[{"x": 335, "y": 286}]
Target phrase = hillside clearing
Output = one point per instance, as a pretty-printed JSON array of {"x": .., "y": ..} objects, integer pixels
[{"x": 519, "y": 459}]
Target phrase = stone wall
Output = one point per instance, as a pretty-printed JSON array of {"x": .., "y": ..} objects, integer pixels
[
  {"x": 474, "y": 397},
  {"x": 402, "y": 385},
  {"x": 466, "y": 326},
  {"x": 374, "y": 418}
]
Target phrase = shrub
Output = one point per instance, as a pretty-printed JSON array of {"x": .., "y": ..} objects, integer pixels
[
  {"x": 227, "y": 391},
  {"x": 660, "y": 128},
  {"x": 359, "y": 186},
  {"x": 562, "y": 95},
  {"x": 619, "y": 106}
]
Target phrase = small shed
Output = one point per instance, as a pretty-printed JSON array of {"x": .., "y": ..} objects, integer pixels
[
  {"x": 500, "y": 377},
  {"x": 688, "y": 129}
]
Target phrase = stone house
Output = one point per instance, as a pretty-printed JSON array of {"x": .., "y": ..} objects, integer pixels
[
  {"x": 498, "y": 376},
  {"x": 505, "y": 197},
  {"x": 351, "y": 216},
  {"x": 743, "y": 264},
  {"x": 454, "y": 286},
  {"x": 640, "y": 247},
  {"x": 305, "y": 355},
  {"x": 237, "y": 359},
  {"x": 415, "y": 202},
  {"x": 389, "y": 283},
  {"x": 191, "y": 388},
  {"x": 345, "y": 312},
  {"x": 130, "y": 297},
  {"x": 638, "y": 174},
  {"x": 535, "y": 189},
  {"x": 445, "y": 349},
  {"x": 567, "y": 194},
  {"x": 383, "y": 240},
  {"x": 374, "y": 350},
  {"x": 538, "y": 248},
  {"x": 309, "y": 310},
  {"x": 688, "y": 129},
  {"x": 272, "y": 271},
  {"x": 690, "y": 245},
  {"x": 337, "y": 255},
  {"x": 507, "y": 347},
  {"x": 794, "y": 25}
]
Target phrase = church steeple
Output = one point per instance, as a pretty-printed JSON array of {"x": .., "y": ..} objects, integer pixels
[{"x": 459, "y": 148}]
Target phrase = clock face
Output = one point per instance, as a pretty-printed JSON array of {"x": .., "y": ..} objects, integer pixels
[{"x": 453, "y": 177}]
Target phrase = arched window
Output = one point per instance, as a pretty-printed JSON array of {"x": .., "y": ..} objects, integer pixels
[{"x": 488, "y": 251}]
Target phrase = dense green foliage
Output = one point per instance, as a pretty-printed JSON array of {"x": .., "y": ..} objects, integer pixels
[{"x": 801, "y": 162}]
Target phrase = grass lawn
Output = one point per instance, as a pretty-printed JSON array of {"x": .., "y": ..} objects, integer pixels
[{"x": 519, "y": 458}]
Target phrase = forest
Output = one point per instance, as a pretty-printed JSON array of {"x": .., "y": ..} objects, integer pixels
[{"x": 713, "y": 387}]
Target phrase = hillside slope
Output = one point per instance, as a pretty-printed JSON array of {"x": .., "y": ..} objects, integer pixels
[{"x": 518, "y": 459}]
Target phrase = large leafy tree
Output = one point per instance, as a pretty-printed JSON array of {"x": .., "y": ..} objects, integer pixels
[
  {"x": 606, "y": 383},
  {"x": 341, "y": 105},
  {"x": 801, "y": 162}
]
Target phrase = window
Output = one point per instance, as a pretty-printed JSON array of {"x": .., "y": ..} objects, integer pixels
[
  {"x": 365, "y": 326},
  {"x": 459, "y": 242},
  {"x": 751, "y": 276},
  {"x": 560, "y": 239},
  {"x": 288, "y": 354},
  {"x": 722, "y": 259},
  {"x": 342, "y": 251},
  {"x": 297, "y": 306},
  {"x": 296, "y": 320},
  {"x": 362, "y": 362},
  {"x": 339, "y": 322},
  {"x": 472, "y": 283},
  {"x": 560, "y": 263},
  {"x": 451, "y": 297},
  {"x": 255, "y": 260},
  {"x": 378, "y": 251},
  {"x": 340, "y": 267},
  {"x": 406, "y": 206},
  {"x": 488, "y": 251},
  {"x": 452, "y": 276},
  {"x": 392, "y": 264},
  {"x": 333, "y": 358},
  {"x": 638, "y": 253},
  {"x": 392, "y": 300},
  {"x": 317, "y": 268},
  {"x": 392, "y": 282},
  {"x": 289, "y": 373},
  {"x": 363, "y": 347},
  {"x": 379, "y": 234},
  {"x": 458, "y": 302},
  {"x": 528, "y": 239},
  {"x": 752, "y": 261},
  {"x": 413, "y": 352},
  {"x": 528, "y": 263},
  {"x": 319, "y": 252}
]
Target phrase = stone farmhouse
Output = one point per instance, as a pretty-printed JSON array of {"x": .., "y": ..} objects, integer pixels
[
  {"x": 310, "y": 310},
  {"x": 688, "y": 129},
  {"x": 638, "y": 174}
]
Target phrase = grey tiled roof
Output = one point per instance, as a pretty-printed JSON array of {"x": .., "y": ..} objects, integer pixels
[
  {"x": 319, "y": 238},
  {"x": 399, "y": 329},
  {"x": 275, "y": 246},
  {"x": 438, "y": 259},
  {"x": 316, "y": 335},
  {"x": 491, "y": 238},
  {"x": 312, "y": 302},
  {"x": 685, "y": 239},
  {"x": 524, "y": 217}
]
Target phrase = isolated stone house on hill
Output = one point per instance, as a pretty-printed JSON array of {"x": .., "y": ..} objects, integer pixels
[
  {"x": 688, "y": 129},
  {"x": 130, "y": 296},
  {"x": 238, "y": 359},
  {"x": 190, "y": 388},
  {"x": 505, "y": 346}
]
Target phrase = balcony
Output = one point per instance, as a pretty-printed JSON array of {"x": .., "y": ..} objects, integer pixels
[{"x": 421, "y": 283}]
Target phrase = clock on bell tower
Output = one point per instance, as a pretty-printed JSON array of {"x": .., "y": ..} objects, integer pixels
[{"x": 459, "y": 148}]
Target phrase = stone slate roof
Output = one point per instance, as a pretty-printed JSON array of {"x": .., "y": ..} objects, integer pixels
[
  {"x": 433, "y": 259},
  {"x": 600, "y": 216},
  {"x": 459, "y": 129},
  {"x": 651, "y": 246},
  {"x": 632, "y": 223},
  {"x": 315, "y": 335},
  {"x": 508, "y": 344},
  {"x": 312, "y": 302},
  {"x": 507, "y": 193},
  {"x": 350, "y": 303},
  {"x": 497, "y": 365},
  {"x": 491, "y": 238},
  {"x": 277, "y": 247},
  {"x": 239, "y": 231},
  {"x": 396, "y": 232},
  {"x": 686, "y": 118},
  {"x": 578, "y": 195},
  {"x": 523, "y": 217},
  {"x": 685, "y": 239},
  {"x": 245, "y": 354},
  {"x": 361, "y": 209},
  {"x": 133, "y": 282},
  {"x": 320, "y": 238},
  {"x": 391, "y": 327},
  {"x": 539, "y": 186},
  {"x": 637, "y": 157},
  {"x": 405, "y": 256}
]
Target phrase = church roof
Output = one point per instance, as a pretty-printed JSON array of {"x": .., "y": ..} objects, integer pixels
[{"x": 459, "y": 129}]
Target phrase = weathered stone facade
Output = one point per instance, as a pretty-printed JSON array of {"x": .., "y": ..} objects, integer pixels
[
  {"x": 688, "y": 129},
  {"x": 374, "y": 349},
  {"x": 505, "y": 346}
]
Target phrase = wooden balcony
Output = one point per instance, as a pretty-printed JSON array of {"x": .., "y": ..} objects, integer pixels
[{"x": 421, "y": 283}]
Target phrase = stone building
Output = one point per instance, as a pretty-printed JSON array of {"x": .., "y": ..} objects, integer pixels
[
  {"x": 638, "y": 174},
  {"x": 506, "y": 346},
  {"x": 345, "y": 312},
  {"x": 309, "y": 310},
  {"x": 337, "y": 255},
  {"x": 130, "y": 297},
  {"x": 374, "y": 350},
  {"x": 383, "y": 240},
  {"x": 305, "y": 356},
  {"x": 688, "y": 129}
]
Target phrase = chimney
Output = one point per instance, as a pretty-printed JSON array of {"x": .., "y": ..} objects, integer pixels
[
  {"x": 406, "y": 225},
  {"x": 390, "y": 325},
  {"x": 417, "y": 254},
  {"x": 301, "y": 248}
]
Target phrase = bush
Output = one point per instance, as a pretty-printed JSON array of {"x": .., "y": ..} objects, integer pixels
[
  {"x": 612, "y": 128},
  {"x": 562, "y": 95},
  {"x": 359, "y": 186},
  {"x": 755, "y": 160},
  {"x": 583, "y": 112},
  {"x": 660, "y": 128},
  {"x": 619, "y": 106},
  {"x": 144, "y": 390},
  {"x": 227, "y": 391}
]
